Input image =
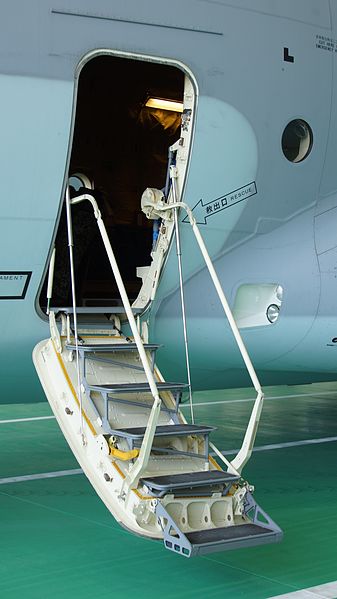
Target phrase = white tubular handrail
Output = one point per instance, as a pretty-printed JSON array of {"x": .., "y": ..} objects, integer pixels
[
  {"x": 183, "y": 312},
  {"x": 144, "y": 454},
  {"x": 248, "y": 442}
]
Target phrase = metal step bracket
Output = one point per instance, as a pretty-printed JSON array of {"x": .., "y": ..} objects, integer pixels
[
  {"x": 259, "y": 517},
  {"x": 174, "y": 539}
]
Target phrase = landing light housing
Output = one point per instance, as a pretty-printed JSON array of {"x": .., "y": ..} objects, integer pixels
[
  {"x": 257, "y": 304},
  {"x": 272, "y": 313}
]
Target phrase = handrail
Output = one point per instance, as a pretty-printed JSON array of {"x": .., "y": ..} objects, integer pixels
[
  {"x": 248, "y": 442},
  {"x": 246, "y": 449},
  {"x": 183, "y": 312},
  {"x": 145, "y": 450}
]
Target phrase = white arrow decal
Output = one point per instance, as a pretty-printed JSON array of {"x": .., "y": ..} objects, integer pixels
[{"x": 202, "y": 212}]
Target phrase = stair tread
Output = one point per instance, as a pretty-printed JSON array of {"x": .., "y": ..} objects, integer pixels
[
  {"x": 96, "y": 310},
  {"x": 189, "y": 479},
  {"x": 228, "y": 533},
  {"x": 165, "y": 430},
  {"x": 111, "y": 347},
  {"x": 138, "y": 387}
]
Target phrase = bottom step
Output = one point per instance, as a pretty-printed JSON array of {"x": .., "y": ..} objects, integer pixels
[
  {"x": 231, "y": 537},
  {"x": 200, "y": 542}
]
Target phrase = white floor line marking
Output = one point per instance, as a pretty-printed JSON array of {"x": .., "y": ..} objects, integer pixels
[
  {"x": 59, "y": 473},
  {"x": 195, "y": 404},
  {"x": 285, "y": 445},
  {"x": 222, "y": 401},
  {"x": 27, "y": 477},
  {"x": 322, "y": 591},
  {"x": 27, "y": 419}
]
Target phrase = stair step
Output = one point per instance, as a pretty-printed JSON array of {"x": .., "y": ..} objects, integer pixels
[
  {"x": 138, "y": 387},
  {"x": 170, "y": 482},
  {"x": 111, "y": 347},
  {"x": 230, "y": 537},
  {"x": 104, "y": 310},
  {"x": 168, "y": 430}
]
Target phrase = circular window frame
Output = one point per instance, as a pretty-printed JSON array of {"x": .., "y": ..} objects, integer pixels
[{"x": 290, "y": 135}]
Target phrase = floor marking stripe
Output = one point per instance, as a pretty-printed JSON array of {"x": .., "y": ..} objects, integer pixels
[
  {"x": 59, "y": 473},
  {"x": 284, "y": 445},
  {"x": 27, "y": 419},
  {"x": 195, "y": 404},
  {"x": 26, "y": 477},
  {"x": 322, "y": 591},
  {"x": 222, "y": 401}
]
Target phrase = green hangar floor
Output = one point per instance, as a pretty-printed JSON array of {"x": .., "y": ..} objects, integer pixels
[{"x": 58, "y": 539}]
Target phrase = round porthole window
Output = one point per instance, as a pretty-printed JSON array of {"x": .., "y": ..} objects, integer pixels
[{"x": 297, "y": 140}]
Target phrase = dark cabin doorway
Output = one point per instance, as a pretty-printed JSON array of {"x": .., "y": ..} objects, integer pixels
[{"x": 122, "y": 147}]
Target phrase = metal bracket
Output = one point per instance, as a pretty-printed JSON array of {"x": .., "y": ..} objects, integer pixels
[
  {"x": 174, "y": 538},
  {"x": 254, "y": 512}
]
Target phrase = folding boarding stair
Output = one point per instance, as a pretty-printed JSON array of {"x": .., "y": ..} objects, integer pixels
[
  {"x": 200, "y": 510},
  {"x": 122, "y": 420}
]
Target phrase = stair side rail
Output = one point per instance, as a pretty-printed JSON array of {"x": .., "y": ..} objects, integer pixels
[
  {"x": 139, "y": 466},
  {"x": 237, "y": 464}
]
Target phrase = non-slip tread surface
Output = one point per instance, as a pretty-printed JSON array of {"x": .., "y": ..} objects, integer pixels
[
  {"x": 167, "y": 430},
  {"x": 227, "y": 533},
  {"x": 138, "y": 387},
  {"x": 189, "y": 479},
  {"x": 111, "y": 347}
]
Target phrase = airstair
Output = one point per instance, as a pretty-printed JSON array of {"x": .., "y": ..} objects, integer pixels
[{"x": 158, "y": 474}]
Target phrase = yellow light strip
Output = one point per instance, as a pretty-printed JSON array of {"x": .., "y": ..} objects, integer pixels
[{"x": 165, "y": 104}]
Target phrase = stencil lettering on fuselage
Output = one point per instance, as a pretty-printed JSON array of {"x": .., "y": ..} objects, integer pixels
[
  {"x": 326, "y": 43},
  {"x": 14, "y": 285},
  {"x": 202, "y": 212}
]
